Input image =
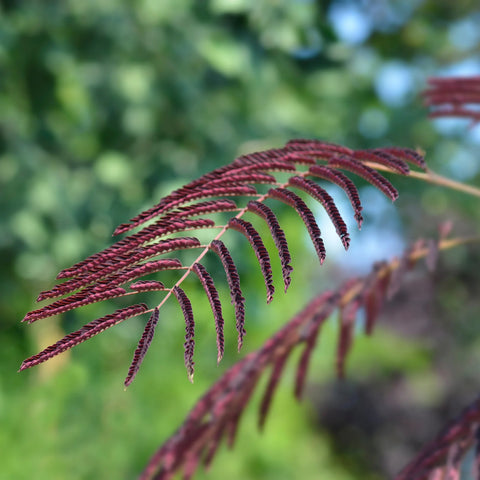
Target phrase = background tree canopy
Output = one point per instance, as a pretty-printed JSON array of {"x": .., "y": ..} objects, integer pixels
[{"x": 105, "y": 106}]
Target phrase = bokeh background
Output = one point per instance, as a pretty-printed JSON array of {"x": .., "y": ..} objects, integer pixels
[{"x": 106, "y": 106}]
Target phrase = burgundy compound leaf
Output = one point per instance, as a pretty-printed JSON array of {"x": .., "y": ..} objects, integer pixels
[
  {"x": 309, "y": 145},
  {"x": 202, "y": 208},
  {"x": 278, "y": 236},
  {"x": 259, "y": 178},
  {"x": 269, "y": 165},
  {"x": 261, "y": 252},
  {"x": 290, "y": 198},
  {"x": 87, "y": 331},
  {"x": 233, "y": 279},
  {"x": 189, "y": 344},
  {"x": 214, "y": 299},
  {"x": 142, "y": 347},
  {"x": 261, "y": 158},
  {"x": 147, "y": 286},
  {"x": 302, "y": 158}
]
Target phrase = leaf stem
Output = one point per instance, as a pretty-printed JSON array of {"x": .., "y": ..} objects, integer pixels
[{"x": 431, "y": 177}]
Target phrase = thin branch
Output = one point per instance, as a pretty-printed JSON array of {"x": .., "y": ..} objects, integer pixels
[{"x": 431, "y": 177}]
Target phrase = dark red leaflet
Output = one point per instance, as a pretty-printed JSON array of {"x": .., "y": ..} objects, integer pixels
[
  {"x": 201, "y": 208},
  {"x": 383, "y": 157},
  {"x": 142, "y": 347},
  {"x": 181, "y": 192},
  {"x": 189, "y": 344},
  {"x": 269, "y": 165},
  {"x": 319, "y": 194},
  {"x": 189, "y": 196},
  {"x": 214, "y": 299},
  {"x": 233, "y": 280},
  {"x": 343, "y": 182},
  {"x": 147, "y": 286},
  {"x": 133, "y": 242},
  {"x": 237, "y": 179},
  {"x": 407, "y": 154},
  {"x": 364, "y": 171},
  {"x": 260, "y": 251},
  {"x": 87, "y": 331},
  {"x": 278, "y": 236},
  {"x": 118, "y": 270},
  {"x": 274, "y": 154},
  {"x": 72, "y": 302},
  {"x": 308, "y": 145},
  {"x": 306, "y": 214}
]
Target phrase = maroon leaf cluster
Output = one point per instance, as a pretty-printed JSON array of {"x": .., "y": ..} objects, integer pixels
[
  {"x": 454, "y": 97},
  {"x": 120, "y": 270},
  {"x": 217, "y": 414}
]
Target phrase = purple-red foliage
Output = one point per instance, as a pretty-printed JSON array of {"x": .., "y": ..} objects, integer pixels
[
  {"x": 117, "y": 271},
  {"x": 233, "y": 279},
  {"x": 217, "y": 413},
  {"x": 454, "y": 97},
  {"x": 278, "y": 237},
  {"x": 142, "y": 347},
  {"x": 366, "y": 172},
  {"x": 319, "y": 194},
  {"x": 214, "y": 299},
  {"x": 189, "y": 344},
  {"x": 340, "y": 179},
  {"x": 292, "y": 199},
  {"x": 261, "y": 252},
  {"x": 87, "y": 331}
]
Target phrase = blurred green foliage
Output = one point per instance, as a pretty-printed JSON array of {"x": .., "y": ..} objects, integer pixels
[{"x": 106, "y": 106}]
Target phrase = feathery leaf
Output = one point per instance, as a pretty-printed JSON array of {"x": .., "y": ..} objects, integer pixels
[
  {"x": 261, "y": 252},
  {"x": 454, "y": 97},
  {"x": 87, "y": 331},
  {"x": 292, "y": 199},
  {"x": 142, "y": 347},
  {"x": 189, "y": 344},
  {"x": 343, "y": 182},
  {"x": 102, "y": 275},
  {"x": 214, "y": 299},
  {"x": 278, "y": 237},
  {"x": 233, "y": 279},
  {"x": 326, "y": 200}
]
